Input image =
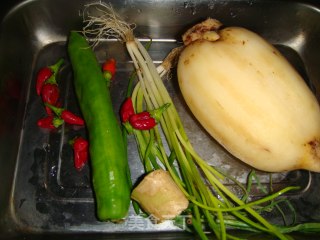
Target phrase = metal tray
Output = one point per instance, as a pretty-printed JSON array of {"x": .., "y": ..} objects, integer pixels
[{"x": 41, "y": 194}]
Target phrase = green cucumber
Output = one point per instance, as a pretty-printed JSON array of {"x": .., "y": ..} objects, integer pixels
[{"x": 108, "y": 153}]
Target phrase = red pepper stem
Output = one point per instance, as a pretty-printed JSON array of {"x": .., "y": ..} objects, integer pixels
[
  {"x": 57, "y": 122},
  {"x": 107, "y": 76},
  {"x": 157, "y": 113},
  {"x": 57, "y": 111},
  {"x": 71, "y": 141},
  {"x": 54, "y": 68}
]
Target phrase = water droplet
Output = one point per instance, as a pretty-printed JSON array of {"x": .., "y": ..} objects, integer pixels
[
  {"x": 53, "y": 171},
  {"x": 46, "y": 147}
]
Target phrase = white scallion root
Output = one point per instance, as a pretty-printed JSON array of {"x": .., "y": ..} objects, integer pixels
[{"x": 102, "y": 22}]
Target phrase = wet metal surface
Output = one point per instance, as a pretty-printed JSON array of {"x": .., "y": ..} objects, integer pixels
[{"x": 41, "y": 192}]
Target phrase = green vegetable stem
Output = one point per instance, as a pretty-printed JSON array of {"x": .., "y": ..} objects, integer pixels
[{"x": 110, "y": 171}]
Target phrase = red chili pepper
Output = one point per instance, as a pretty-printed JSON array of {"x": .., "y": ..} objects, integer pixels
[
  {"x": 80, "y": 152},
  {"x": 109, "y": 66},
  {"x": 109, "y": 70},
  {"x": 66, "y": 115},
  {"x": 71, "y": 118},
  {"x": 142, "y": 121},
  {"x": 46, "y": 122},
  {"x": 126, "y": 110},
  {"x": 45, "y": 73},
  {"x": 50, "y": 94},
  {"x": 49, "y": 122}
]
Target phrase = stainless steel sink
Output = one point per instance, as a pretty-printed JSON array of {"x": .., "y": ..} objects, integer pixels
[{"x": 41, "y": 194}]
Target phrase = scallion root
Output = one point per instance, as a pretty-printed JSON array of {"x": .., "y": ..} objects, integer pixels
[{"x": 102, "y": 22}]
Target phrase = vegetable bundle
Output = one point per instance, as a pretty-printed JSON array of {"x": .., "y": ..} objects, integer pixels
[{"x": 210, "y": 201}]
